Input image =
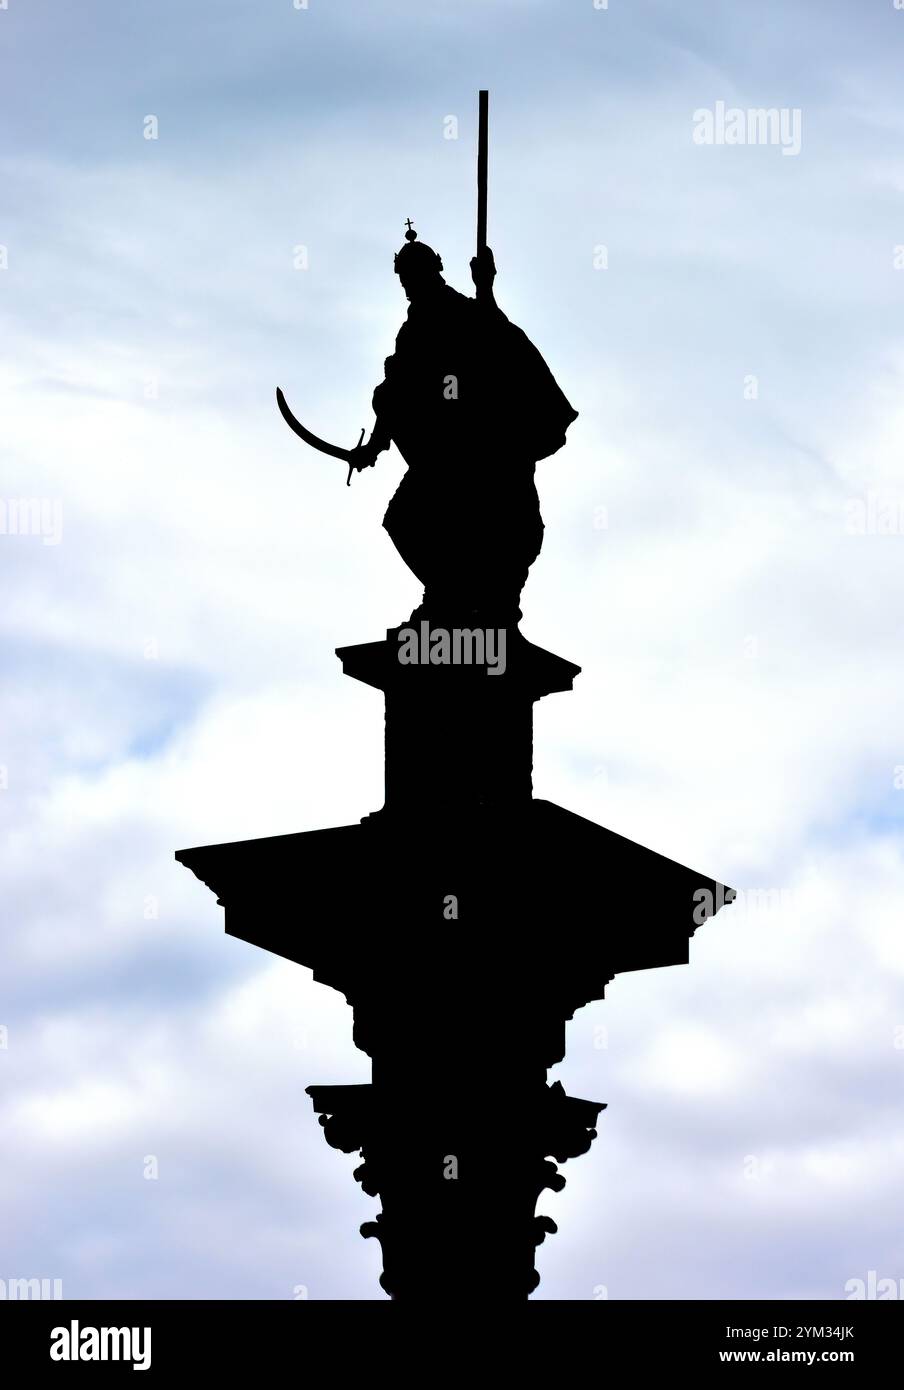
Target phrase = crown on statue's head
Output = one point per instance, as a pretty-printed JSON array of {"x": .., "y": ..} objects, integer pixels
[{"x": 415, "y": 253}]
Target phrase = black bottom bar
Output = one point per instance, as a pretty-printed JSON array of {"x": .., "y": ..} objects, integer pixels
[{"x": 213, "y": 1337}]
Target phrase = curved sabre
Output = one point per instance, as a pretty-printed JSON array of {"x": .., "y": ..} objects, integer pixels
[{"x": 334, "y": 450}]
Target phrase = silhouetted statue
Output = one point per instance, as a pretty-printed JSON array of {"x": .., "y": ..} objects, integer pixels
[
  {"x": 471, "y": 406},
  {"x": 466, "y": 920}
]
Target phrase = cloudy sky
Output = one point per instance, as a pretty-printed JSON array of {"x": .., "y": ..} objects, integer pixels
[{"x": 724, "y": 557}]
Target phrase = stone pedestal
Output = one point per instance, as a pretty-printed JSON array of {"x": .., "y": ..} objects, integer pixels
[
  {"x": 458, "y": 735},
  {"x": 465, "y": 923}
]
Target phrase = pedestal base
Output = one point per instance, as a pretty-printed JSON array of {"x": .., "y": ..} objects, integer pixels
[{"x": 464, "y": 929}]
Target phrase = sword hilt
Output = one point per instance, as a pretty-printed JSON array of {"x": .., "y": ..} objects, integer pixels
[{"x": 351, "y": 466}]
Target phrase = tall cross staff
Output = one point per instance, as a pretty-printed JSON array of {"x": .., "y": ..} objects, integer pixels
[{"x": 483, "y": 116}]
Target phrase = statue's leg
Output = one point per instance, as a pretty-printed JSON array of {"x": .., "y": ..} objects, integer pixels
[
  {"x": 470, "y": 538},
  {"x": 499, "y": 543}
]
